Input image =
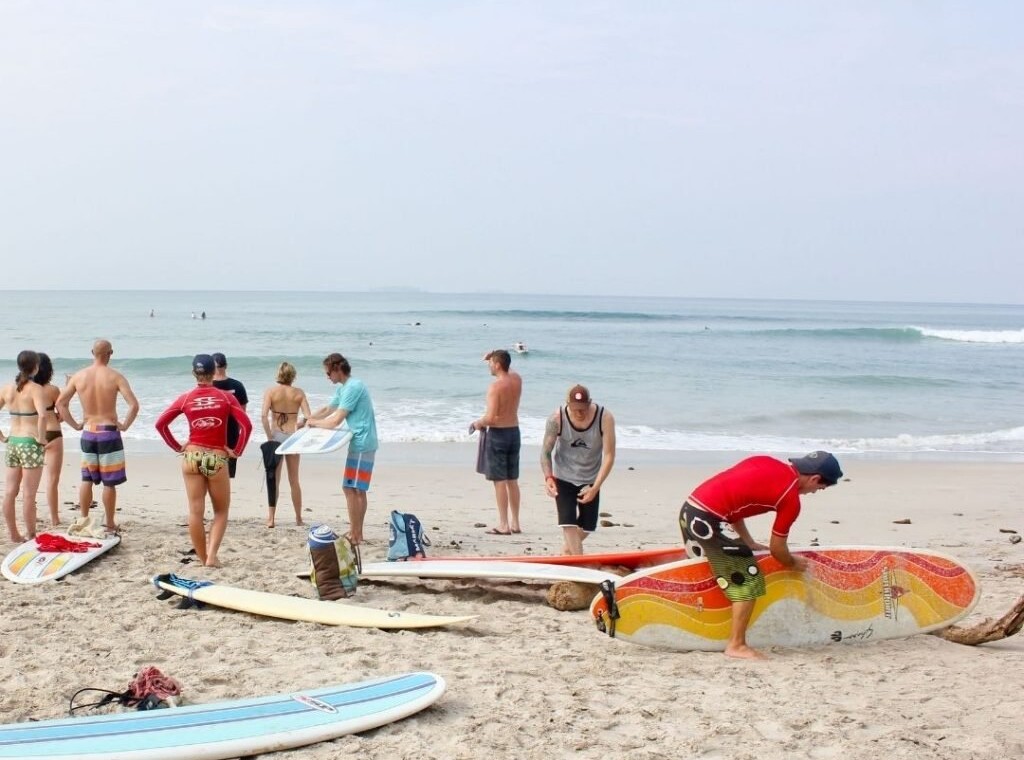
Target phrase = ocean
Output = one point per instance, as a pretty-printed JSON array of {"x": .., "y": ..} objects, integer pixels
[{"x": 680, "y": 375}]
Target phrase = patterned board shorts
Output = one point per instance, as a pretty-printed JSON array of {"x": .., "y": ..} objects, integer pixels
[
  {"x": 358, "y": 470},
  {"x": 731, "y": 560},
  {"x": 103, "y": 455},
  {"x": 24, "y": 452}
]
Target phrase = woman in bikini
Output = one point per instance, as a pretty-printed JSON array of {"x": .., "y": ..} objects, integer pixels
[
  {"x": 54, "y": 459},
  {"x": 26, "y": 444},
  {"x": 205, "y": 454},
  {"x": 281, "y": 406}
]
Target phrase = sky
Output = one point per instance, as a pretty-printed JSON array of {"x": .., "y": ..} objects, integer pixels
[{"x": 860, "y": 150}]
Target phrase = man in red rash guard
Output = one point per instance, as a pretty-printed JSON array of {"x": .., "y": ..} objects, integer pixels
[
  {"x": 755, "y": 486},
  {"x": 206, "y": 453}
]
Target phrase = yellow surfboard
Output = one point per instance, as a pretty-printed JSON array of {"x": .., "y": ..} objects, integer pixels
[{"x": 297, "y": 608}]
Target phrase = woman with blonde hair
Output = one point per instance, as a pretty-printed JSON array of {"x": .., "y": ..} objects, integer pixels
[
  {"x": 54, "y": 458},
  {"x": 205, "y": 454},
  {"x": 282, "y": 404},
  {"x": 26, "y": 444}
]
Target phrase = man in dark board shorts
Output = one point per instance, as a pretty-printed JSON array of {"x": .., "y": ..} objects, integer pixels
[
  {"x": 501, "y": 449},
  {"x": 235, "y": 388}
]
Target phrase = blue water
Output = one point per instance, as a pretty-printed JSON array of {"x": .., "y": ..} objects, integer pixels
[{"x": 679, "y": 374}]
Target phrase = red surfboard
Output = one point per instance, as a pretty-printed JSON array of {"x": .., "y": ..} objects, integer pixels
[{"x": 633, "y": 559}]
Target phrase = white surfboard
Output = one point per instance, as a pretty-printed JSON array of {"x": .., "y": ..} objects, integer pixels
[
  {"x": 299, "y": 608},
  {"x": 309, "y": 440},
  {"x": 228, "y": 729},
  {"x": 27, "y": 564},
  {"x": 489, "y": 569}
]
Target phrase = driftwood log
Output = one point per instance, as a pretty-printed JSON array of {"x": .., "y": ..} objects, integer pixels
[{"x": 988, "y": 629}]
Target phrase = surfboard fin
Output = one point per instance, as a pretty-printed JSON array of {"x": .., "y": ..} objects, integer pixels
[{"x": 606, "y": 622}]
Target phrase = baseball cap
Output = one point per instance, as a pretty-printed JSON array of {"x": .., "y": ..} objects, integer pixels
[
  {"x": 220, "y": 360},
  {"x": 820, "y": 463},
  {"x": 579, "y": 393},
  {"x": 203, "y": 363}
]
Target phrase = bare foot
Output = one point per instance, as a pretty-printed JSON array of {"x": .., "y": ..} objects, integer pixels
[
  {"x": 270, "y": 523},
  {"x": 298, "y": 521},
  {"x": 212, "y": 563},
  {"x": 744, "y": 652},
  {"x": 18, "y": 539}
]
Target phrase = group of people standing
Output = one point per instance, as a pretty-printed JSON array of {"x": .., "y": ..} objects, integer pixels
[{"x": 219, "y": 429}]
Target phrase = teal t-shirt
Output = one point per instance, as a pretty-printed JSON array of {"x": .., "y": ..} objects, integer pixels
[{"x": 354, "y": 397}]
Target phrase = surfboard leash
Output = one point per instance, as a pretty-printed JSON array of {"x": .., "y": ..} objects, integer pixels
[
  {"x": 606, "y": 622},
  {"x": 187, "y": 602}
]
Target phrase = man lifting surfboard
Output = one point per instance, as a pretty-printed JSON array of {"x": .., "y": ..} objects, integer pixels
[{"x": 756, "y": 485}]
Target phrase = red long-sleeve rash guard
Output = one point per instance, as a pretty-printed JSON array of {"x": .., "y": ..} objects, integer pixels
[{"x": 207, "y": 410}]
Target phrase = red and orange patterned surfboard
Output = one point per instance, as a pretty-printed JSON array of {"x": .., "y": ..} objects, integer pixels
[{"x": 847, "y": 594}]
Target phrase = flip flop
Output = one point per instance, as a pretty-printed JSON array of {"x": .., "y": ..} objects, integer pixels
[
  {"x": 496, "y": 532},
  {"x": 517, "y": 531}
]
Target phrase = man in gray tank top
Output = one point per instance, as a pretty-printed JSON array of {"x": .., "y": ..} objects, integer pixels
[{"x": 576, "y": 458}]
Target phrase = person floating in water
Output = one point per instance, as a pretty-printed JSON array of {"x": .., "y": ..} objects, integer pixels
[
  {"x": 152, "y": 313},
  {"x": 203, "y": 315}
]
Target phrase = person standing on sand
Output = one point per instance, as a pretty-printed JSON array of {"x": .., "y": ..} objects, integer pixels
[
  {"x": 235, "y": 388},
  {"x": 55, "y": 453},
  {"x": 281, "y": 406},
  {"x": 25, "y": 445},
  {"x": 576, "y": 457},
  {"x": 351, "y": 402},
  {"x": 756, "y": 485},
  {"x": 206, "y": 453},
  {"x": 98, "y": 387},
  {"x": 500, "y": 421}
]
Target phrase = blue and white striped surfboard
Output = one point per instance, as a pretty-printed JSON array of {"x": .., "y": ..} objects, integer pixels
[
  {"x": 309, "y": 440},
  {"x": 226, "y": 729}
]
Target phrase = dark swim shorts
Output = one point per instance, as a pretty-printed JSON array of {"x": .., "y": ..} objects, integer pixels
[
  {"x": 571, "y": 512},
  {"x": 732, "y": 561},
  {"x": 501, "y": 461}
]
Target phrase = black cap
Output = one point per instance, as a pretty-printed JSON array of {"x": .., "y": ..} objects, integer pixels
[
  {"x": 220, "y": 360},
  {"x": 819, "y": 463},
  {"x": 203, "y": 364}
]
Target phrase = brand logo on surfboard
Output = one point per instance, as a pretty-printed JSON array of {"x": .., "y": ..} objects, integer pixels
[
  {"x": 316, "y": 704},
  {"x": 891, "y": 593}
]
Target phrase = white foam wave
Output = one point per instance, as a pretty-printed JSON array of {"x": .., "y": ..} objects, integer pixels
[
  {"x": 443, "y": 422},
  {"x": 973, "y": 336}
]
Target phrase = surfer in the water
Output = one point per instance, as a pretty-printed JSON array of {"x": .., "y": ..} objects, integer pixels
[
  {"x": 351, "y": 402},
  {"x": 204, "y": 464},
  {"x": 755, "y": 486}
]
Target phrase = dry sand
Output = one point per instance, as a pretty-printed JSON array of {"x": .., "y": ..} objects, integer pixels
[{"x": 527, "y": 681}]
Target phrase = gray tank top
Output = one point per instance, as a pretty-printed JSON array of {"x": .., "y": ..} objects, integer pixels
[{"x": 577, "y": 455}]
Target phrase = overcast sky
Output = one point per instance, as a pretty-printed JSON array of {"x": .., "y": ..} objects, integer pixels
[{"x": 853, "y": 150}]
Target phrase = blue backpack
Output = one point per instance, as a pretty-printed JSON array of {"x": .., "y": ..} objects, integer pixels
[{"x": 406, "y": 539}]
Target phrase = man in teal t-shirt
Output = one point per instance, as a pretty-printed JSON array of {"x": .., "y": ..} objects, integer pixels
[{"x": 351, "y": 402}]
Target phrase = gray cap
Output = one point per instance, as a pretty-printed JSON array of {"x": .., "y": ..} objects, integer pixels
[{"x": 820, "y": 463}]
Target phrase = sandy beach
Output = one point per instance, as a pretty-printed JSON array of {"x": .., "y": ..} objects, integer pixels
[{"x": 526, "y": 680}]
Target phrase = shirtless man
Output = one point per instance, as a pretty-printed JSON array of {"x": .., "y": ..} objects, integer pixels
[
  {"x": 97, "y": 387},
  {"x": 500, "y": 424}
]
